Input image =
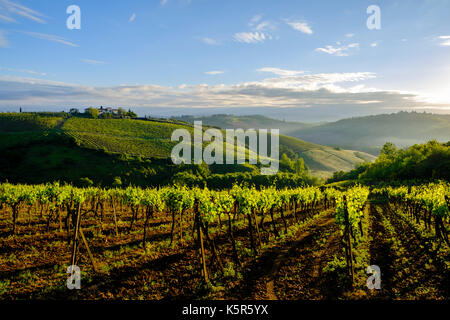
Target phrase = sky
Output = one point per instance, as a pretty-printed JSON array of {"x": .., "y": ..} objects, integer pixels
[{"x": 305, "y": 59}]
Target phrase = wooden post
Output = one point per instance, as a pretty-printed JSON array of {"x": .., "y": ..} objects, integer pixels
[
  {"x": 115, "y": 218},
  {"x": 147, "y": 213},
  {"x": 200, "y": 241},
  {"x": 75, "y": 235},
  {"x": 205, "y": 273},
  {"x": 348, "y": 239},
  {"x": 233, "y": 243},
  {"x": 91, "y": 257}
]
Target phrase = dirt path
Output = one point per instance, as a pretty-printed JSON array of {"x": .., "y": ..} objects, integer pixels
[
  {"x": 409, "y": 269},
  {"x": 381, "y": 254},
  {"x": 293, "y": 269}
]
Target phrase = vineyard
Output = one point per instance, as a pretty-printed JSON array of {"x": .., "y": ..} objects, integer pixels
[{"x": 241, "y": 243}]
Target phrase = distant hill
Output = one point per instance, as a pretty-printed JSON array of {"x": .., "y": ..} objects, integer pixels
[
  {"x": 77, "y": 146},
  {"x": 322, "y": 160},
  {"x": 152, "y": 139},
  {"x": 369, "y": 134},
  {"x": 228, "y": 121}
]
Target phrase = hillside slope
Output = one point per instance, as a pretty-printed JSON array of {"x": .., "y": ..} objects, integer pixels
[
  {"x": 323, "y": 160},
  {"x": 40, "y": 137},
  {"x": 369, "y": 134},
  {"x": 227, "y": 121},
  {"x": 152, "y": 139}
]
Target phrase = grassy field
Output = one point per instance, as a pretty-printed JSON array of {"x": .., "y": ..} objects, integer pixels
[
  {"x": 42, "y": 147},
  {"x": 152, "y": 139}
]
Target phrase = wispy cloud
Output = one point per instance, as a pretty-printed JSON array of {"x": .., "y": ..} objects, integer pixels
[
  {"x": 31, "y": 72},
  {"x": 133, "y": 16},
  {"x": 7, "y": 19},
  {"x": 214, "y": 72},
  {"x": 281, "y": 72},
  {"x": 301, "y": 26},
  {"x": 340, "y": 51},
  {"x": 3, "y": 41},
  {"x": 250, "y": 37},
  {"x": 255, "y": 19},
  {"x": 258, "y": 31},
  {"x": 374, "y": 44},
  {"x": 94, "y": 62},
  {"x": 210, "y": 41},
  {"x": 445, "y": 41},
  {"x": 163, "y": 2},
  {"x": 50, "y": 37},
  {"x": 350, "y": 35},
  {"x": 9, "y": 9},
  {"x": 265, "y": 25}
]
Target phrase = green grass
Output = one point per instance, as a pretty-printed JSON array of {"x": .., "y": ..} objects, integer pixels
[
  {"x": 149, "y": 139},
  {"x": 323, "y": 158},
  {"x": 45, "y": 147},
  {"x": 26, "y": 122}
]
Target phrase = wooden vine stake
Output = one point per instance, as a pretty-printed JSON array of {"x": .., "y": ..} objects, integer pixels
[
  {"x": 348, "y": 242},
  {"x": 76, "y": 231},
  {"x": 200, "y": 240}
]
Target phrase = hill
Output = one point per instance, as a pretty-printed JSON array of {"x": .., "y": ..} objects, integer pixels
[
  {"x": 369, "y": 134},
  {"x": 150, "y": 139},
  {"x": 416, "y": 164},
  {"x": 49, "y": 147},
  {"x": 321, "y": 160},
  {"x": 228, "y": 121}
]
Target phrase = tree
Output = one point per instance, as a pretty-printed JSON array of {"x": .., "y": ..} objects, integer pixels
[
  {"x": 131, "y": 114},
  {"x": 299, "y": 166},
  {"x": 86, "y": 182},
  {"x": 389, "y": 150},
  {"x": 286, "y": 164},
  {"x": 122, "y": 112},
  {"x": 92, "y": 112},
  {"x": 106, "y": 115},
  {"x": 117, "y": 183}
]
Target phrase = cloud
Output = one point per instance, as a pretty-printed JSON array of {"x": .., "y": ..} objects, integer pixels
[
  {"x": 281, "y": 72},
  {"x": 214, "y": 72},
  {"x": 301, "y": 91},
  {"x": 258, "y": 33},
  {"x": 163, "y": 2},
  {"x": 300, "y": 26},
  {"x": 93, "y": 62},
  {"x": 255, "y": 19},
  {"x": 374, "y": 44},
  {"x": 10, "y": 8},
  {"x": 350, "y": 35},
  {"x": 3, "y": 41},
  {"x": 446, "y": 41},
  {"x": 249, "y": 37},
  {"x": 264, "y": 25},
  {"x": 7, "y": 19},
  {"x": 210, "y": 41},
  {"x": 31, "y": 72},
  {"x": 133, "y": 16},
  {"x": 312, "y": 82},
  {"x": 52, "y": 38},
  {"x": 340, "y": 51}
]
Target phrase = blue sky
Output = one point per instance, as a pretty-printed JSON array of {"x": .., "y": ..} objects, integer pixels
[{"x": 229, "y": 54}]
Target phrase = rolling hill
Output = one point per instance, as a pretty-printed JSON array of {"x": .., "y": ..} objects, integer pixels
[
  {"x": 369, "y": 134},
  {"x": 69, "y": 148},
  {"x": 152, "y": 139},
  {"x": 228, "y": 121}
]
